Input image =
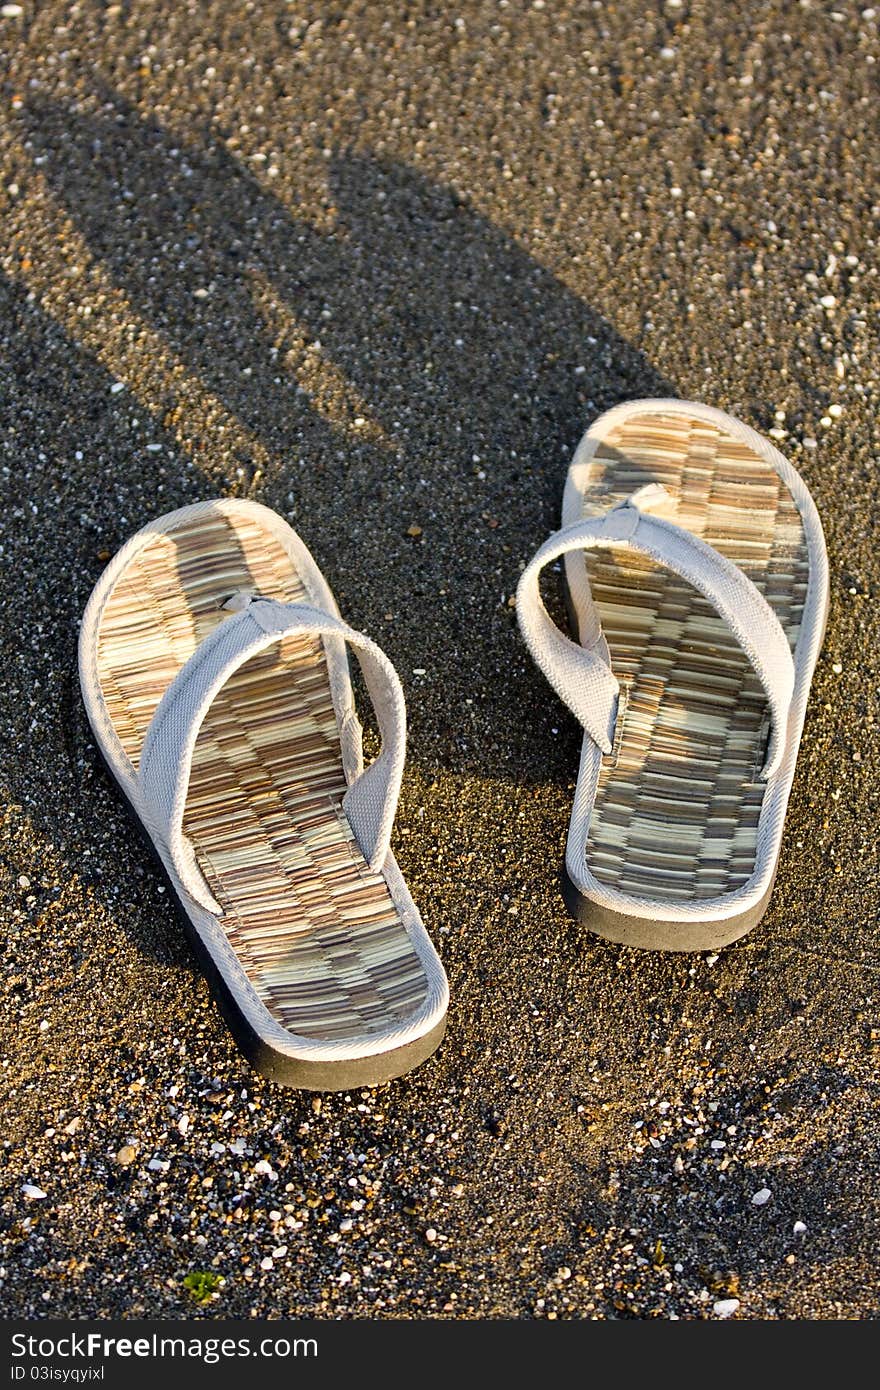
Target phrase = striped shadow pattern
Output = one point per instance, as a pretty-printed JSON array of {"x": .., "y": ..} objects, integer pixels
[{"x": 318, "y": 933}]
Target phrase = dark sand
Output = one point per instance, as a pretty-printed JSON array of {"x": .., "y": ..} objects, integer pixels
[{"x": 378, "y": 267}]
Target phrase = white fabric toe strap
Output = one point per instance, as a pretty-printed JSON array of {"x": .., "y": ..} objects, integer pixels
[
  {"x": 166, "y": 759},
  {"x": 582, "y": 676}
]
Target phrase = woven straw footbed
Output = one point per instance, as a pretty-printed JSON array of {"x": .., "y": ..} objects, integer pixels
[
  {"x": 316, "y": 931},
  {"x": 677, "y": 807}
]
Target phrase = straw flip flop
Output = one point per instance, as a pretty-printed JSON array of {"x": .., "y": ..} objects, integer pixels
[
  {"x": 214, "y": 670},
  {"x": 698, "y": 582}
]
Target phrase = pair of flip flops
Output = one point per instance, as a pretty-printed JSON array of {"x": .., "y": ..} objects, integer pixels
[{"x": 214, "y": 670}]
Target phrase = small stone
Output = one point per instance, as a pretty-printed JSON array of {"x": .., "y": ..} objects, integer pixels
[
  {"x": 126, "y": 1156},
  {"x": 12, "y": 11},
  {"x": 267, "y": 1263},
  {"x": 117, "y": 387},
  {"x": 678, "y": 1165},
  {"x": 183, "y": 1124},
  {"x": 761, "y": 1197},
  {"x": 44, "y": 1025},
  {"x": 414, "y": 531},
  {"x": 799, "y": 1228},
  {"x": 158, "y": 1165},
  {"x": 828, "y": 301},
  {"x": 32, "y": 1192},
  {"x": 835, "y": 411},
  {"x": 837, "y": 669},
  {"x": 279, "y": 1252},
  {"x": 725, "y": 1307},
  {"x": 430, "y": 1235},
  {"x": 74, "y": 1126},
  {"x": 24, "y": 881}
]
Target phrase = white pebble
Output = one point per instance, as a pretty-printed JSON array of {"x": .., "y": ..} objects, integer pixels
[
  {"x": 761, "y": 1197},
  {"x": 725, "y": 1307},
  {"x": 200, "y": 293},
  {"x": 430, "y": 1235},
  {"x": 33, "y": 1193},
  {"x": 158, "y": 1165},
  {"x": 12, "y": 11},
  {"x": 828, "y": 301},
  {"x": 44, "y": 1025},
  {"x": 345, "y": 1277},
  {"x": 811, "y": 443},
  {"x": 835, "y": 411},
  {"x": 183, "y": 1124},
  {"x": 117, "y": 387},
  {"x": 837, "y": 669},
  {"x": 267, "y": 1263},
  {"x": 799, "y": 1228},
  {"x": 279, "y": 1252},
  {"x": 710, "y": 960}
]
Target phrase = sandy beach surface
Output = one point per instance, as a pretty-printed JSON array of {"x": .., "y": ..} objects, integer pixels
[{"x": 377, "y": 266}]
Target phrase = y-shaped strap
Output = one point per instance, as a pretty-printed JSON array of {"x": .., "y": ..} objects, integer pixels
[
  {"x": 583, "y": 678},
  {"x": 166, "y": 759}
]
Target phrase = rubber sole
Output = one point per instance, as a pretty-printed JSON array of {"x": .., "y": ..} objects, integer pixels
[
  {"x": 268, "y": 1061},
  {"x": 651, "y": 935}
]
